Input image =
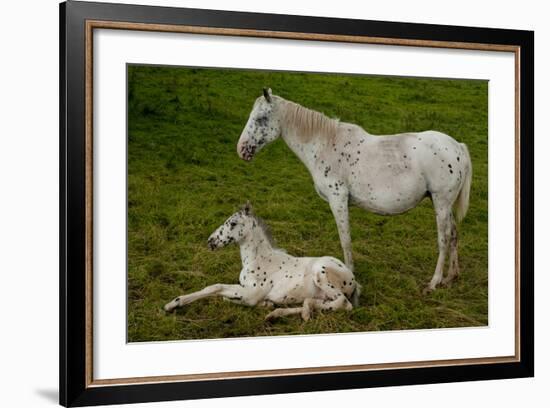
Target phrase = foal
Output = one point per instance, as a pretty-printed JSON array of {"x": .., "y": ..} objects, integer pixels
[{"x": 269, "y": 276}]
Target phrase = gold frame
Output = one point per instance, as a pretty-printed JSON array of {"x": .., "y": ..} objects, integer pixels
[{"x": 99, "y": 24}]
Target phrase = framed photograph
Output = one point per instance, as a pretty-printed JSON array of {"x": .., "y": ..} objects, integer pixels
[{"x": 256, "y": 204}]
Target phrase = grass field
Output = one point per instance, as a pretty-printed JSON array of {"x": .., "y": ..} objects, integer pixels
[{"x": 185, "y": 179}]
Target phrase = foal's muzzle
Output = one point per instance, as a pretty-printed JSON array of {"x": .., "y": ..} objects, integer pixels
[{"x": 212, "y": 243}]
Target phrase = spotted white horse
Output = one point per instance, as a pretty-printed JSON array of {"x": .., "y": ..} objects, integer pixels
[
  {"x": 384, "y": 174},
  {"x": 269, "y": 276}
]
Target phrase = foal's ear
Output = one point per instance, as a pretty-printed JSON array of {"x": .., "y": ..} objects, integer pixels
[
  {"x": 267, "y": 94},
  {"x": 247, "y": 208}
]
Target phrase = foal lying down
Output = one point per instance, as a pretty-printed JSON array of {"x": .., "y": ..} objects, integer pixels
[{"x": 270, "y": 277}]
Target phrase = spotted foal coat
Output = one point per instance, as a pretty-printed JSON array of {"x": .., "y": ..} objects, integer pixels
[
  {"x": 383, "y": 174},
  {"x": 271, "y": 277}
]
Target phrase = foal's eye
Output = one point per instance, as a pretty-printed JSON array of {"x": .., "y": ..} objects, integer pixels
[{"x": 233, "y": 224}]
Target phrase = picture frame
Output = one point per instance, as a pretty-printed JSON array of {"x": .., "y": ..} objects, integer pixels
[{"x": 79, "y": 21}]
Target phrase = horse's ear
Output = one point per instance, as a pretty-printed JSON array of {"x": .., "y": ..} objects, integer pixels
[
  {"x": 247, "y": 208},
  {"x": 267, "y": 94}
]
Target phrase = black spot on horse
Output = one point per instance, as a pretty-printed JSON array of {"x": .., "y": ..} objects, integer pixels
[{"x": 261, "y": 121}]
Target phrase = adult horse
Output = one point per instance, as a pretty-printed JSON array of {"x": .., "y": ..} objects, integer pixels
[{"x": 387, "y": 174}]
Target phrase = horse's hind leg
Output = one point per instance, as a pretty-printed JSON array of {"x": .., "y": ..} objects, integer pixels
[
  {"x": 444, "y": 222},
  {"x": 454, "y": 270}
]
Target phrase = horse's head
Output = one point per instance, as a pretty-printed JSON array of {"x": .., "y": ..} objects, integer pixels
[
  {"x": 234, "y": 229},
  {"x": 262, "y": 128}
]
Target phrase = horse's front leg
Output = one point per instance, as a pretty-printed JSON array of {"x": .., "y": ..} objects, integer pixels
[
  {"x": 339, "y": 207},
  {"x": 235, "y": 293}
]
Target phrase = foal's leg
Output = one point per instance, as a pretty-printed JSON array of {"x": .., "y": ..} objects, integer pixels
[
  {"x": 341, "y": 302},
  {"x": 267, "y": 304},
  {"x": 310, "y": 304},
  {"x": 286, "y": 311},
  {"x": 333, "y": 297},
  {"x": 443, "y": 218},
  {"x": 235, "y": 293},
  {"x": 453, "y": 270},
  {"x": 339, "y": 208}
]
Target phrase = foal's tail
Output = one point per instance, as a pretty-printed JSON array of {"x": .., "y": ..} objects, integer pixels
[{"x": 463, "y": 200}]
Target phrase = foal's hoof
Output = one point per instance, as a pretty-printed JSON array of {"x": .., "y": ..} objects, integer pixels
[
  {"x": 267, "y": 304},
  {"x": 271, "y": 316},
  {"x": 170, "y": 306},
  {"x": 427, "y": 290}
]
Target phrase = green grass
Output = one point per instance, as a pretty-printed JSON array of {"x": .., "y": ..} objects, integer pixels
[{"x": 185, "y": 179}]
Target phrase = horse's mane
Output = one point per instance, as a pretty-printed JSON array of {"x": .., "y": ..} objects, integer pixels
[{"x": 307, "y": 122}]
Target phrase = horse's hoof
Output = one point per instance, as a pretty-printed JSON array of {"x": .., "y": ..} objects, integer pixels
[
  {"x": 448, "y": 282},
  {"x": 427, "y": 290}
]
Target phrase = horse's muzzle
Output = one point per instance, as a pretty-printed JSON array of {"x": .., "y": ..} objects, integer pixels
[{"x": 246, "y": 151}]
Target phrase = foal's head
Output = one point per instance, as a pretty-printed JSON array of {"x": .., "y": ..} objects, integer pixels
[
  {"x": 262, "y": 128},
  {"x": 234, "y": 229}
]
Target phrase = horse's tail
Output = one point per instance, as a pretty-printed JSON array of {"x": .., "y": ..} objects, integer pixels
[
  {"x": 355, "y": 294},
  {"x": 463, "y": 200}
]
